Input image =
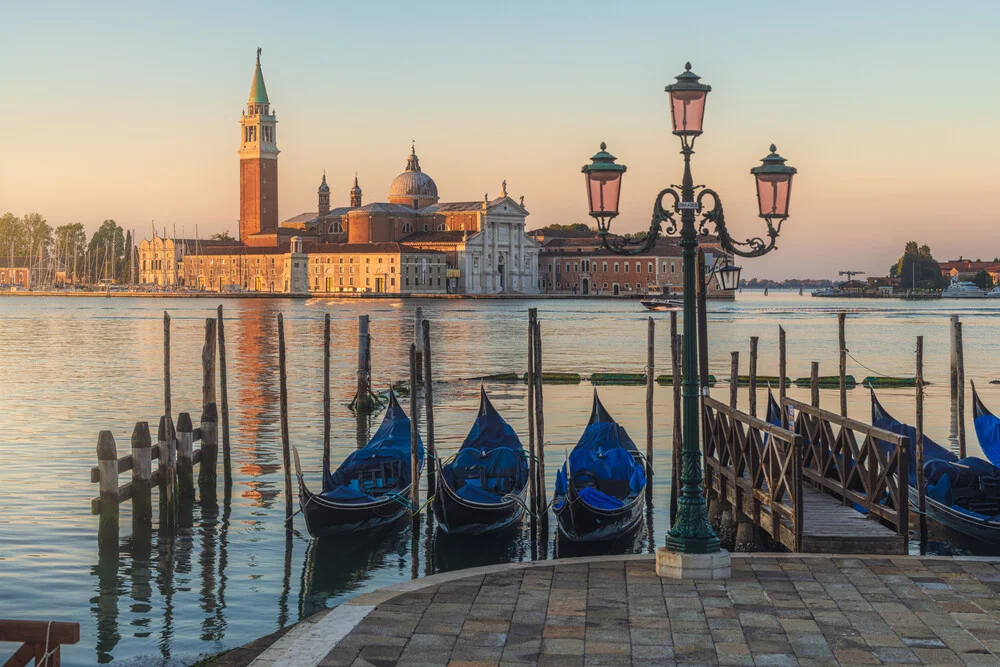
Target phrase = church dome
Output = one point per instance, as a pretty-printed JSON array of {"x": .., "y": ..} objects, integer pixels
[{"x": 413, "y": 185}]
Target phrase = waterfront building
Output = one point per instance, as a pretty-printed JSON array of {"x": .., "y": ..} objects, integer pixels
[
  {"x": 27, "y": 272},
  {"x": 411, "y": 243},
  {"x": 572, "y": 262},
  {"x": 966, "y": 269}
]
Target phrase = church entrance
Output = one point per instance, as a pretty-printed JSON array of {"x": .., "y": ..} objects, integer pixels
[
  {"x": 586, "y": 286},
  {"x": 380, "y": 285},
  {"x": 501, "y": 269},
  {"x": 614, "y": 289},
  {"x": 329, "y": 284},
  {"x": 257, "y": 284}
]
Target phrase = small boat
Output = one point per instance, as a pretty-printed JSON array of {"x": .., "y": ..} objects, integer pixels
[
  {"x": 994, "y": 293},
  {"x": 371, "y": 487},
  {"x": 961, "y": 494},
  {"x": 987, "y": 428},
  {"x": 600, "y": 489},
  {"x": 483, "y": 486},
  {"x": 961, "y": 289},
  {"x": 662, "y": 303}
]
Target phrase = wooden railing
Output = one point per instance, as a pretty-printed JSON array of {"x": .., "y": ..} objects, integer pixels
[
  {"x": 756, "y": 467},
  {"x": 40, "y": 641},
  {"x": 862, "y": 473}
]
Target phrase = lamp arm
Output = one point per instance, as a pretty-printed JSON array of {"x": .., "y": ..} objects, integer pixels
[
  {"x": 619, "y": 244},
  {"x": 755, "y": 247}
]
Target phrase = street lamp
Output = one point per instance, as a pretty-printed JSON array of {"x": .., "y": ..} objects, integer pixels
[{"x": 691, "y": 535}]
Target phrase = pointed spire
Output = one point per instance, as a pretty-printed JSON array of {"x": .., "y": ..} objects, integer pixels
[{"x": 258, "y": 92}]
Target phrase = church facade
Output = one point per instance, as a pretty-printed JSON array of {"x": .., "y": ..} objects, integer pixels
[{"x": 412, "y": 243}]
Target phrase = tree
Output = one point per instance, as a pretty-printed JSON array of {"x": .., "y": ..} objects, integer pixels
[
  {"x": 10, "y": 235},
  {"x": 917, "y": 268},
  {"x": 107, "y": 248},
  {"x": 223, "y": 236},
  {"x": 983, "y": 280},
  {"x": 72, "y": 238},
  {"x": 574, "y": 227},
  {"x": 36, "y": 233}
]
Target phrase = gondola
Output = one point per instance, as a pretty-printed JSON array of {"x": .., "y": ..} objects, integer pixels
[
  {"x": 987, "y": 428},
  {"x": 484, "y": 485},
  {"x": 600, "y": 489},
  {"x": 370, "y": 488},
  {"x": 961, "y": 494}
]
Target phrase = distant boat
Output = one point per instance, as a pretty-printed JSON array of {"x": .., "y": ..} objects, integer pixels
[
  {"x": 962, "y": 289},
  {"x": 662, "y": 303},
  {"x": 829, "y": 292},
  {"x": 994, "y": 293}
]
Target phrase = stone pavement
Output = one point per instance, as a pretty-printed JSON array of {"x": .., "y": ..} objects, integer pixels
[{"x": 775, "y": 610}]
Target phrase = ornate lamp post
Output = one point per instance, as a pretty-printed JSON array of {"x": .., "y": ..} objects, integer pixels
[{"x": 692, "y": 546}]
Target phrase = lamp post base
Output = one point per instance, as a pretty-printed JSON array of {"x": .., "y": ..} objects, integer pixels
[{"x": 676, "y": 565}]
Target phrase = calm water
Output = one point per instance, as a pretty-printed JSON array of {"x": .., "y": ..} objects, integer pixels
[{"x": 71, "y": 367}]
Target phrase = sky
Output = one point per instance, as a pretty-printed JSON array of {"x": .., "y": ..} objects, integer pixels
[{"x": 889, "y": 110}]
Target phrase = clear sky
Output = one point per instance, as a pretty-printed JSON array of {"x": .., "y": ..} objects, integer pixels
[{"x": 890, "y": 111}]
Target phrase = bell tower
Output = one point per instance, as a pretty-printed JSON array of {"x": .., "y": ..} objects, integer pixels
[
  {"x": 258, "y": 163},
  {"x": 323, "y": 194}
]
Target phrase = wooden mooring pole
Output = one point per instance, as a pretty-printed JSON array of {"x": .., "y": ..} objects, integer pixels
[
  {"x": 753, "y": 375},
  {"x": 429, "y": 410},
  {"x": 530, "y": 379},
  {"x": 919, "y": 447},
  {"x": 960, "y": 360},
  {"x": 540, "y": 419},
  {"x": 734, "y": 378},
  {"x": 167, "y": 464},
  {"x": 782, "y": 370},
  {"x": 953, "y": 340},
  {"x": 326, "y": 393},
  {"x": 142, "y": 475},
  {"x": 414, "y": 434},
  {"x": 283, "y": 401},
  {"x": 418, "y": 341},
  {"x": 702, "y": 324},
  {"x": 677, "y": 442},
  {"x": 167, "y": 408},
  {"x": 208, "y": 469},
  {"x": 842, "y": 338},
  {"x": 185, "y": 457},
  {"x": 650, "y": 373},
  {"x": 362, "y": 400},
  {"x": 107, "y": 463},
  {"x": 227, "y": 458}
]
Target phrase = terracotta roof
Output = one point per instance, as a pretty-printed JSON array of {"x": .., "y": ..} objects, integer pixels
[
  {"x": 361, "y": 248},
  {"x": 663, "y": 248},
  {"x": 436, "y": 237},
  {"x": 239, "y": 249}
]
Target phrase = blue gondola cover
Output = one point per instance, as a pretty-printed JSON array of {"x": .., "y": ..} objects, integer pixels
[{"x": 988, "y": 431}]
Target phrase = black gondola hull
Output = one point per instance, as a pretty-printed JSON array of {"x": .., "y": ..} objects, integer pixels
[
  {"x": 579, "y": 522},
  {"x": 981, "y": 529},
  {"x": 457, "y": 516},
  {"x": 328, "y": 518}
]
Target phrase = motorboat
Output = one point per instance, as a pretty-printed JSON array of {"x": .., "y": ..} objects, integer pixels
[
  {"x": 962, "y": 289},
  {"x": 994, "y": 293},
  {"x": 662, "y": 303}
]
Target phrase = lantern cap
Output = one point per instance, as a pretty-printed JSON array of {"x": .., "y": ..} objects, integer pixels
[
  {"x": 603, "y": 161},
  {"x": 688, "y": 80},
  {"x": 773, "y": 164}
]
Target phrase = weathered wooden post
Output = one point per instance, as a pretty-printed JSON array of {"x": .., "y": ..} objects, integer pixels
[
  {"x": 530, "y": 379},
  {"x": 167, "y": 407},
  {"x": 326, "y": 393},
  {"x": 167, "y": 464},
  {"x": 814, "y": 383},
  {"x": 227, "y": 458},
  {"x": 429, "y": 411},
  {"x": 734, "y": 378},
  {"x": 753, "y": 375},
  {"x": 107, "y": 465},
  {"x": 283, "y": 400},
  {"x": 650, "y": 361},
  {"x": 677, "y": 443},
  {"x": 142, "y": 474},
  {"x": 952, "y": 339},
  {"x": 207, "y": 471},
  {"x": 185, "y": 457},
  {"x": 960, "y": 358},
  {"x": 842, "y": 337},
  {"x": 782, "y": 370},
  {"x": 414, "y": 434},
  {"x": 418, "y": 341},
  {"x": 540, "y": 420},
  {"x": 363, "y": 403},
  {"x": 919, "y": 447}
]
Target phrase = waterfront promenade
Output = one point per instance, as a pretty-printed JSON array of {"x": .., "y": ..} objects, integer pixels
[{"x": 777, "y": 609}]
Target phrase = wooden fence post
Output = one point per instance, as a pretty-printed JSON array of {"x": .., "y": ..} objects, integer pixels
[
  {"x": 227, "y": 459},
  {"x": 753, "y": 375},
  {"x": 414, "y": 434},
  {"x": 142, "y": 474},
  {"x": 107, "y": 465},
  {"x": 530, "y": 379},
  {"x": 734, "y": 378},
  {"x": 960, "y": 358},
  {"x": 283, "y": 394},
  {"x": 185, "y": 457},
  {"x": 326, "y": 393},
  {"x": 429, "y": 411},
  {"x": 814, "y": 383},
  {"x": 540, "y": 418},
  {"x": 842, "y": 337},
  {"x": 919, "y": 446},
  {"x": 650, "y": 372},
  {"x": 209, "y": 410}
]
